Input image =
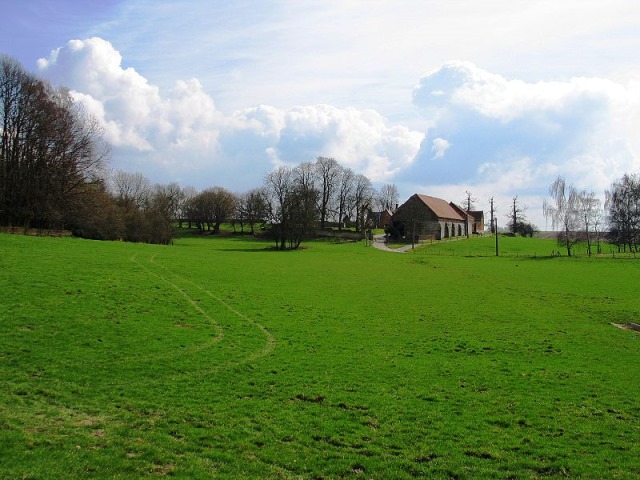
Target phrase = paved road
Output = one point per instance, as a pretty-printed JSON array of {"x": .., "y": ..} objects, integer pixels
[{"x": 378, "y": 242}]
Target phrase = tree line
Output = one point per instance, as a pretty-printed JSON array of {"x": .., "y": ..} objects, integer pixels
[
  {"x": 51, "y": 152},
  {"x": 53, "y": 175},
  {"x": 581, "y": 219}
]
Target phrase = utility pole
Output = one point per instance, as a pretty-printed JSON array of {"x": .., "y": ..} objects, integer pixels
[
  {"x": 494, "y": 224},
  {"x": 491, "y": 200},
  {"x": 413, "y": 234}
]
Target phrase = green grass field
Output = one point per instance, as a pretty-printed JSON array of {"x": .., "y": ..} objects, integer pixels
[{"x": 218, "y": 358}]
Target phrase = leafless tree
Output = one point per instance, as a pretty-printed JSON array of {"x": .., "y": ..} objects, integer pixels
[
  {"x": 51, "y": 151},
  {"x": 362, "y": 199},
  {"x": 623, "y": 212},
  {"x": 387, "y": 197},
  {"x": 589, "y": 208},
  {"x": 255, "y": 206},
  {"x": 516, "y": 215},
  {"x": 469, "y": 201},
  {"x": 344, "y": 190},
  {"x": 188, "y": 193},
  {"x": 563, "y": 212},
  {"x": 305, "y": 174},
  {"x": 327, "y": 172},
  {"x": 131, "y": 188},
  {"x": 291, "y": 206},
  {"x": 222, "y": 206}
]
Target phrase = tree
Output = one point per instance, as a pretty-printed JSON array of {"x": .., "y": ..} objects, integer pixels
[
  {"x": 291, "y": 207},
  {"x": 362, "y": 199},
  {"x": 223, "y": 206},
  {"x": 278, "y": 186},
  {"x": 51, "y": 151},
  {"x": 623, "y": 212},
  {"x": 327, "y": 172},
  {"x": 345, "y": 188},
  {"x": 387, "y": 197},
  {"x": 132, "y": 189},
  {"x": 588, "y": 206},
  {"x": 469, "y": 201},
  {"x": 516, "y": 215},
  {"x": 301, "y": 212},
  {"x": 160, "y": 213},
  {"x": 183, "y": 205},
  {"x": 563, "y": 212},
  {"x": 255, "y": 207},
  {"x": 212, "y": 207}
]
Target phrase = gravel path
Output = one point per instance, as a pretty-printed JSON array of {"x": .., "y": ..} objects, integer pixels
[{"x": 378, "y": 242}]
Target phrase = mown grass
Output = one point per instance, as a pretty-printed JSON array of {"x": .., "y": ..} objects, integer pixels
[{"x": 220, "y": 358}]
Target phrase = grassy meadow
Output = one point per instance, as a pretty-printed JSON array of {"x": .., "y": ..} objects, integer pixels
[{"x": 219, "y": 358}]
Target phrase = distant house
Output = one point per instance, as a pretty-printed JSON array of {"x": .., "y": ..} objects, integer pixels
[
  {"x": 431, "y": 218},
  {"x": 478, "y": 221},
  {"x": 381, "y": 219}
]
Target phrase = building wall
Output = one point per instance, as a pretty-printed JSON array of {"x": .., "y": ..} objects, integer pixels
[{"x": 427, "y": 225}]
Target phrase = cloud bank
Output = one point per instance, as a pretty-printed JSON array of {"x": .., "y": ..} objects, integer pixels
[
  {"x": 181, "y": 135},
  {"x": 503, "y": 137},
  {"x": 495, "y": 136}
]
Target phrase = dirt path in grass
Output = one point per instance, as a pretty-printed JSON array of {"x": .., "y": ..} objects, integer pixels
[
  {"x": 270, "y": 341},
  {"x": 378, "y": 242}
]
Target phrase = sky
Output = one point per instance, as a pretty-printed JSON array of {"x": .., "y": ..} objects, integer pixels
[{"x": 497, "y": 97}]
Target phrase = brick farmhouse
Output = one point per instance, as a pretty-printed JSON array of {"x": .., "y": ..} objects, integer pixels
[{"x": 432, "y": 218}]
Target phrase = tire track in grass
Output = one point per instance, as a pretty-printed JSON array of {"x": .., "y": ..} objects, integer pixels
[
  {"x": 219, "y": 333},
  {"x": 270, "y": 340}
]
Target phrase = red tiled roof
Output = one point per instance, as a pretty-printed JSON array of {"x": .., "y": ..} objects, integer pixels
[{"x": 440, "y": 207}]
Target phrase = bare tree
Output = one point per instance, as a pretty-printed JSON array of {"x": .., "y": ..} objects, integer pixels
[
  {"x": 327, "y": 172},
  {"x": 623, "y": 212},
  {"x": 131, "y": 188},
  {"x": 469, "y": 201},
  {"x": 563, "y": 212},
  {"x": 160, "y": 213},
  {"x": 51, "y": 151},
  {"x": 589, "y": 208},
  {"x": 255, "y": 205},
  {"x": 278, "y": 186},
  {"x": 292, "y": 208},
  {"x": 387, "y": 197},
  {"x": 222, "y": 206},
  {"x": 188, "y": 193},
  {"x": 305, "y": 174},
  {"x": 345, "y": 188},
  {"x": 516, "y": 215},
  {"x": 362, "y": 199}
]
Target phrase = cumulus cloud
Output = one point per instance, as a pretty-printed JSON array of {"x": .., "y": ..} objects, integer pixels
[
  {"x": 181, "y": 135},
  {"x": 513, "y": 137},
  {"x": 439, "y": 147}
]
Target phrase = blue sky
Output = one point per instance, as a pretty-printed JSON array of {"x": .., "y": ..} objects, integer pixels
[{"x": 496, "y": 97}]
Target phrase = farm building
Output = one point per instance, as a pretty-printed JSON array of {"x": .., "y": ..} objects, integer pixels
[
  {"x": 432, "y": 218},
  {"x": 381, "y": 219},
  {"x": 478, "y": 221}
]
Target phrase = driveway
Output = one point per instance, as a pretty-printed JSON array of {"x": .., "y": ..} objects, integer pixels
[{"x": 378, "y": 242}]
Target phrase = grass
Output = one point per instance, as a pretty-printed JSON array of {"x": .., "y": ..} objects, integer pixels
[{"x": 217, "y": 357}]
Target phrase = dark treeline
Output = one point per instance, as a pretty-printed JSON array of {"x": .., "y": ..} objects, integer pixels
[
  {"x": 52, "y": 169},
  {"x": 53, "y": 175},
  {"x": 51, "y": 152},
  {"x": 623, "y": 205}
]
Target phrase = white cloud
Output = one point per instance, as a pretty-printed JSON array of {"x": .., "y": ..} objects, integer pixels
[
  {"x": 182, "y": 135},
  {"x": 439, "y": 146},
  {"x": 501, "y": 137},
  {"x": 514, "y": 137}
]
